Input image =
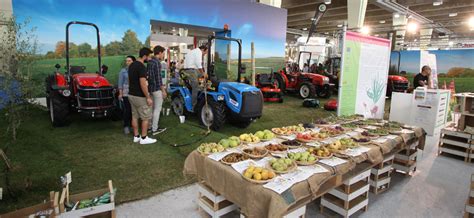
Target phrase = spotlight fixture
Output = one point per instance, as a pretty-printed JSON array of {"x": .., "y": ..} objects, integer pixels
[
  {"x": 471, "y": 23},
  {"x": 453, "y": 14},
  {"x": 450, "y": 43},
  {"x": 304, "y": 29},
  {"x": 396, "y": 15},
  {"x": 339, "y": 25},
  {"x": 326, "y": 33},
  {"x": 381, "y": 21},
  {"x": 412, "y": 27},
  {"x": 437, "y": 3},
  {"x": 365, "y": 30},
  {"x": 328, "y": 2}
]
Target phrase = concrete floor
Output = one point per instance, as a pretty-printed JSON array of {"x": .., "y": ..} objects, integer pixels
[{"x": 439, "y": 188}]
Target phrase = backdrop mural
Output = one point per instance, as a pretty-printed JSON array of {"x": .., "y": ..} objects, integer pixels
[{"x": 262, "y": 24}]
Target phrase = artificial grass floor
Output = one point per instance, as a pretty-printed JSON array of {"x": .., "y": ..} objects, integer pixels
[{"x": 96, "y": 151}]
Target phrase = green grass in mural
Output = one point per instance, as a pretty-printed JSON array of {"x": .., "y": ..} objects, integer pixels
[
  {"x": 463, "y": 84},
  {"x": 96, "y": 151}
]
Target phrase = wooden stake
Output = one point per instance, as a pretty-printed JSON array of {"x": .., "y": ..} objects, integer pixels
[
  {"x": 5, "y": 159},
  {"x": 252, "y": 57}
]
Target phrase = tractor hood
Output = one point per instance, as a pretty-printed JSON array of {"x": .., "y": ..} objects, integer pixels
[
  {"x": 90, "y": 80},
  {"x": 237, "y": 87},
  {"x": 397, "y": 78}
]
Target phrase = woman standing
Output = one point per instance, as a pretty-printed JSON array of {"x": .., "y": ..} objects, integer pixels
[{"x": 123, "y": 94}]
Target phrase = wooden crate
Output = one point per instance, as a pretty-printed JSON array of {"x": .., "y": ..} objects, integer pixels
[
  {"x": 469, "y": 209},
  {"x": 380, "y": 183},
  {"x": 350, "y": 197},
  {"x": 456, "y": 143},
  {"x": 212, "y": 202},
  {"x": 46, "y": 209},
  {"x": 105, "y": 209}
]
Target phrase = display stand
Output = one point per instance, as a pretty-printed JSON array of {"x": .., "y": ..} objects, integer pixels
[
  {"x": 405, "y": 160},
  {"x": 469, "y": 210},
  {"x": 456, "y": 143},
  {"x": 381, "y": 175},
  {"x": 47, "y": 209},
  {"x": 108, "y": 208},
  {"x": 212, "y": 202},
  {"x": 350, "y": 197}
]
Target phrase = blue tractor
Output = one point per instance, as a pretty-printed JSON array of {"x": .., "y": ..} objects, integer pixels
[{"x": 227, "y": 101}]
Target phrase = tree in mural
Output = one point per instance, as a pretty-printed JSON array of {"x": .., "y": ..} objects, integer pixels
[{"x": 130, "y": 43}]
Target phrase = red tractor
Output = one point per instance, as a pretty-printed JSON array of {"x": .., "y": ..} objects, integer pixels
[
  {"x": 308, "y": 85},
  {"x": 396, "y": 83},
  {"x": 78, "y": 91}
]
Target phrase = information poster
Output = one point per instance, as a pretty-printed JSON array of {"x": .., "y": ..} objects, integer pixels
[
  {"x": 429, "y": 59},
  {"x": 364, "y": 75}
]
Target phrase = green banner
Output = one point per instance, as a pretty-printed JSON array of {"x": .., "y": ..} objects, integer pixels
[{"x": 349, "y": 79}]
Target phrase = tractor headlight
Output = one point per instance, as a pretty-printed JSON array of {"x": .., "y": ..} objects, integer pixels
[
  {"x": 66, "y": 93},
  {"x": 220, "y": 98},
  {"x": 326, "y": 80}
]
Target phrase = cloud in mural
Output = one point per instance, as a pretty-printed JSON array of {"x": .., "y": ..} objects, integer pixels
[{"x": 244, "y": 30}]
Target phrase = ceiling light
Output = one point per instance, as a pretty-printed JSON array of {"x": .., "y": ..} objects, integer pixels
[
  {"x": 471, "y": 23},
  {"x": 396, "y": 15},
  {"x": 412, "y": 27},
  {"x": 414, "y": 40},
  {"x": 377, "y": 35},
  {"x": 381, "y": 21},
  {"x": 437, "y": 3},
  {"x": 304, "y": 29},
  {"x": 328, "y": 2},
  {"x": 365, "y": 30},
  {"x": 313, "y": 19},
  {"x": 339, "y": 25},
  {"x": 453, "y": 14},
  {"x": 327, "y": 33},
  {"x": 450, "y": 43}
]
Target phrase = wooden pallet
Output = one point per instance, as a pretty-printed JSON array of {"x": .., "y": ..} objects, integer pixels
[
  {"x": 456, "y": 143},
  {"x": 469, "y": 209},
  {"x": 350, "y": 197},
  {"x": 212, "y": 202}
]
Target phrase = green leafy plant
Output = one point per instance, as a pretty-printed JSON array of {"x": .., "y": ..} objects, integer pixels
[{"x": 376, "y": 91}]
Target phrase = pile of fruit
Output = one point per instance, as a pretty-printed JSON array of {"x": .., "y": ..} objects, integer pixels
[
  {"x": 249, "y": 138},
  {"x": 367, "y": 134},
  {"x": 291, "y": 143},
  {"x": 265, "y": 134},
  {"x": 303, "y": 157},
  {"x": 258, "y": 174},
  {"x": 336, "y": 146},
  {"x": 276, "y": 148},
  {"x": 361, "y": 139},
  {"x": 282, "y": 165},
  {"x": 255, "y": 152},
  {"x": 337, "y": 130},
  {"x": 319, "y": 136},
  {"x": 348, "y": 143},
  {"x": 234, "y": 158},
  {"x": 288, "y": 130},
  {"x": 207, "y": 148},
  {"x": 321, "y": 152},
  {"x": 231, "y": 142},
  {"x": 305, "y": 137}
]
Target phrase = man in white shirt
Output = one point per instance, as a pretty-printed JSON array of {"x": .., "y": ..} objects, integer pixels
[{"x": 193, "y": 69}]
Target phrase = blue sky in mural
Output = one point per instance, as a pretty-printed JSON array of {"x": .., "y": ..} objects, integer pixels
[
  {"x": 445, "y": 59},
  {"x": 264, "y": 25}
]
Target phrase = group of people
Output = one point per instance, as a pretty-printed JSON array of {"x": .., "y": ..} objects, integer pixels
[{"x": 142, "y": 91}]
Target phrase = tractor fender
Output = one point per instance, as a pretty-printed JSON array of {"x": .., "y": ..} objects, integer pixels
[
  {"x": 58, "y": 82},
  {"x": 185, "y": 92}
]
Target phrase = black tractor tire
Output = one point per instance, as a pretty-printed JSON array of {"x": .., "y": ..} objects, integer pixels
[
  {"x": 324, "y": 93},
  {"x": 306, "y": 90},
  {"x": 217, "y": 111},
  {"x": 281, "y": 82},
  {"x": 58, "y": 109},
  {"x": 177, "y": 104}
]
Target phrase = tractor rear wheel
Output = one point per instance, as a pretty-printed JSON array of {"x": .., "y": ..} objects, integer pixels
[
  {"x": 324, "y": 92},
  {"x": 177, "y": 104},
  {"x": 279, "y": 82},
  {"x": 58, "y": 109},
  {"x": 212, "y": 114},
  {"x": 307, "y": 90}
]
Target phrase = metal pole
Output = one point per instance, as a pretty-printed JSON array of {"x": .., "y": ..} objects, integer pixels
[
  {"x": 252, "y": 57},
  {"x": 228, "y": 60}
]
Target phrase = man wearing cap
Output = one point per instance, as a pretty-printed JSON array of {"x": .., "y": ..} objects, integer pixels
[{"x": 193, "y": 69}]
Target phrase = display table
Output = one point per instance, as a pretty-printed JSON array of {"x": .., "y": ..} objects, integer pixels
[{"x": 255, "y": 200}]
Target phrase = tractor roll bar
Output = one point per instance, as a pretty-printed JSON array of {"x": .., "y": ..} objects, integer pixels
[
  {"x": 239, "y": 63},
  {"x": 67, "y": 43}
]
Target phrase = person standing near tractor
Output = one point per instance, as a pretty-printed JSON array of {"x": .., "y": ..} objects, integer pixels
[
  {"x": 156, "y": 87},
  {"x": 123, "y": 94},
  {"x": 140, "y": 98},
  {"x": 193, "y": 69}
]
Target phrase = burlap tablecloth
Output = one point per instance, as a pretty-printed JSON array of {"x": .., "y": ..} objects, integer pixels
[{"x": 256, "y": 201}]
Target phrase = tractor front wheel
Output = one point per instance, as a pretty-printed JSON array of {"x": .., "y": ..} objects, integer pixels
[
  {"x": 58, "y": 109},
  {"x": 324, "y": 92},
  {"x": 307, "y": 90},
  {"x": 177, "y": 104},
  {"x": 212, "y": 114}
]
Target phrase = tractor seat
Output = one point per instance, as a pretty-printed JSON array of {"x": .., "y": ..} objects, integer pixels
[
  {"x": 77, "y": 69},
  {"x": 265, "y": 79}
]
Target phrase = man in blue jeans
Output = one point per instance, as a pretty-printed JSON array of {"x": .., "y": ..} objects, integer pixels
[{"x": 156, "y": 87}]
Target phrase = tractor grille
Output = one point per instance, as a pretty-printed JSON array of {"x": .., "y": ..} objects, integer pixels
[
  {"x": 252, "y": 104},
  {"x": 400, "y": 86},
  {"x": 95, "y": 98}
]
